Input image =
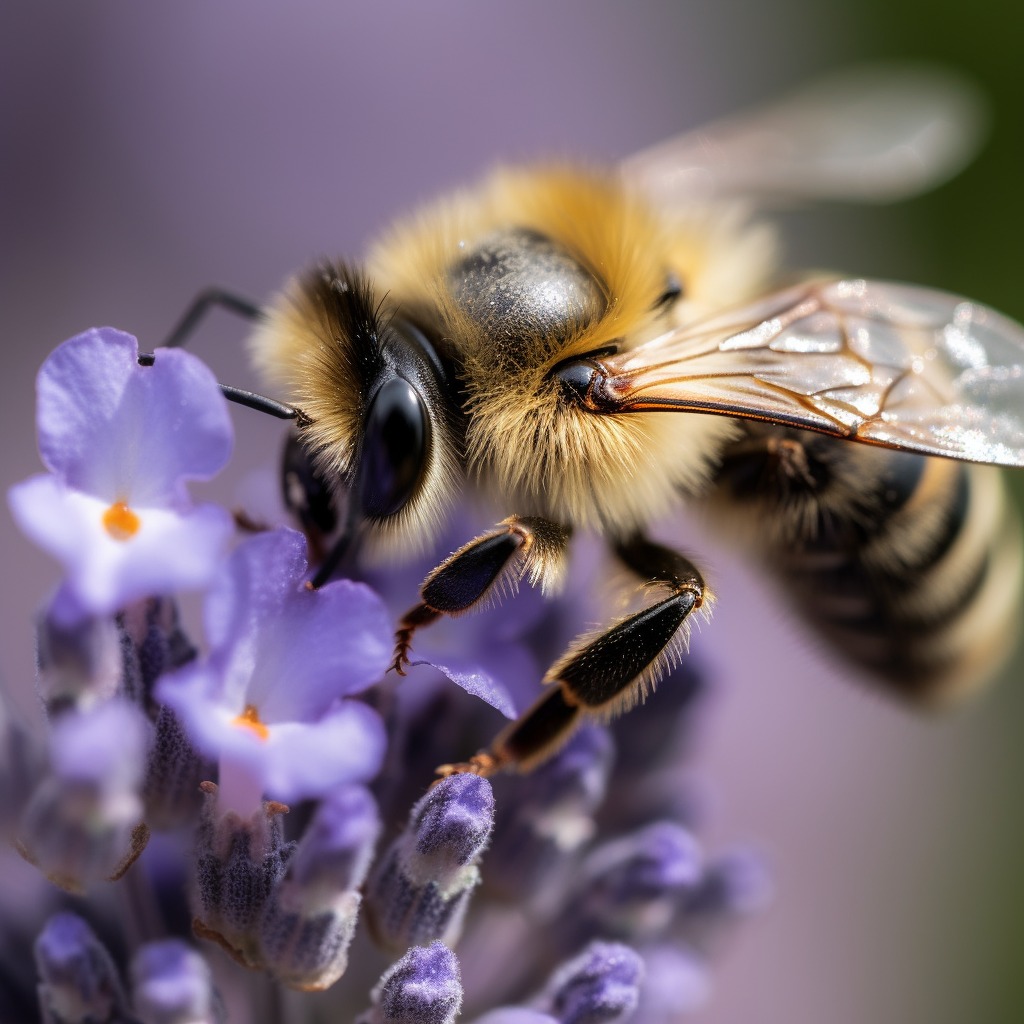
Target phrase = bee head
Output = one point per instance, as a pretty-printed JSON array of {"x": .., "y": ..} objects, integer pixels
[{"x": 382, "y": 435}]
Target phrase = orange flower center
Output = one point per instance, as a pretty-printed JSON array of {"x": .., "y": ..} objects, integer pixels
[
  {"x": 120, "y": 521},
  {"x": 250, "y": 719}
]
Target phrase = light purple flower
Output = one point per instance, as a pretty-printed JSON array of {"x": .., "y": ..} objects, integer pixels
[
  {"x": 120, "y": 441},
  {"x": 269, "y": 698},
  {"x": 83, "y": 821}
]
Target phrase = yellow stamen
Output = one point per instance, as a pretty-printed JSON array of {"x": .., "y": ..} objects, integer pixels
[
  {"x": 120, "y": 521},
  {"x": 250, "y": 719}
]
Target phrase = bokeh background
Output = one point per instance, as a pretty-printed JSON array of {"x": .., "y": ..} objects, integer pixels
[{"x": 147, "y": 150}]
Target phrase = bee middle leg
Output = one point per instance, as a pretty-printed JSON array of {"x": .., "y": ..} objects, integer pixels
[
  {"x": 607, "y": 672},
  {"x": 483, "y": 570}
]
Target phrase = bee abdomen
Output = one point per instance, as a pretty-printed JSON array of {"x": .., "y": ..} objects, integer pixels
[{"x": 910, "y": 567}]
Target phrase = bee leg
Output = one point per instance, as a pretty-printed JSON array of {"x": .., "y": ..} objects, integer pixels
[
  {"x": 603, "y": 673},
  {"x": 485, "y": 569}
]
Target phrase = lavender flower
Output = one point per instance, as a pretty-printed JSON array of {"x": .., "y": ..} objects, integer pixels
[
  {"x": 599, "y": 987},
  {"x": 423, "y": 883},
  {"x": 83, "y": 822},
  {"x": 308, "y": 925},
  {"x": 79, "y": 983},
  {"x": 268, "y": 699},
  {"x": 274, "y": 755},
  {"x": 422, "y": 988},
  {"x": 120, "y": 440},
  {"x": 171, "y": 983}
]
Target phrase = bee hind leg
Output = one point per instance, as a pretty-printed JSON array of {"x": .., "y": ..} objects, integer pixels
[
  {"x": 483, "y": 571},
  {"x": 603, "y": 674}
]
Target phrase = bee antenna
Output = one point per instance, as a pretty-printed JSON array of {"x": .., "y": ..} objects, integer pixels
[
  {"x": 201, "y": 305},
  {"x": 185, "y": 327}
]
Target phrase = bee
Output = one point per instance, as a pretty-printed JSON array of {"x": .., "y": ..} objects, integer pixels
[{"x": 596, "y": 351}]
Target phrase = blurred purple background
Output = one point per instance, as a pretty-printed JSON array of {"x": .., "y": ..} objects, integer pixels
[{"x": 149, "y": 150}]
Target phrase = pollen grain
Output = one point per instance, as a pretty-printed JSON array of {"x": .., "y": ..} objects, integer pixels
[
  {"x": 120, "y": 521},
  {"x": 250, "y": 719}
]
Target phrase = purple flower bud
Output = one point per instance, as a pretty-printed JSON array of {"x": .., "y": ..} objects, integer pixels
[
  {"x": 78, "y": 980},
  {"x": 634, "y": 885},
  {"x": 171, "y": 983},
  {"x": 421, "y": 886},
  {"x": 546, "y": 817},
  {"x": 238, "y": 862},
  {"x": 310, "y": 919},
  {"x": 82, "y": 823},
  {"x": 600, "y": 986},
  {"x": 153, "y": 642},
  {"x": 452, "y": 825},
  {"x": 79, "y": 660},
  {"x": 171, "y": 792},
  {"x": 734, "y": 885},
  {"x": 423, "y": 987}
]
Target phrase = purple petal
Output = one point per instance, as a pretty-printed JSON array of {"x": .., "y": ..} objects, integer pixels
[
  {"x": 297, "y": 759},
  {"x": 105, "y": 747},
  {"x": 288, "y": 650},
  {"x": 121, "y": 431},
  {"x": 309, "y": 761},
  {"x": 477, "y": 682}
]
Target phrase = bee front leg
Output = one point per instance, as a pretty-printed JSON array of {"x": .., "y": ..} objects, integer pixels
[
  {"x": 486, "y": 569},
  {"x": 607, "y": 672}
]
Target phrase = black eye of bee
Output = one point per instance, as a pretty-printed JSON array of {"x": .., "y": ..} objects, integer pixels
[
  {"x": 395, "y": 441},
  {"x": 576, "y": 375}
]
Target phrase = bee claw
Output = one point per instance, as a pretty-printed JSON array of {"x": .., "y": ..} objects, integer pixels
[
  {"x": 400, "y": 662},
  {"x": 483, "y": 764}
]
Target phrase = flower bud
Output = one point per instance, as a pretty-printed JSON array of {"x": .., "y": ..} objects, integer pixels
[
  {"x": 423, "y": 987},
  {"x": 172, "y": 984},
  {"x": 83, "y": 822},
  {"x": 78, "y": 983},
  {"x": 633, "y": 886},
  {"x": 238, "y": 862},
  {"x": 79, "y": 660},
  {"x": 600, "y": 986},
  {"x": 547, "y": 817},
  {"x": 421, "y": 887},
  {"x": 310, "y": 919}
]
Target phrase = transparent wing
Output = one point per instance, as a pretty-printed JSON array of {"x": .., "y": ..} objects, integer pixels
[
  {"x": 870, "y": 135},
  {"x": 887, "y": 364}
]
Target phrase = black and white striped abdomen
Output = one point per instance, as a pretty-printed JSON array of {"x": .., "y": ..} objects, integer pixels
[{"x": 910, "y": 567}]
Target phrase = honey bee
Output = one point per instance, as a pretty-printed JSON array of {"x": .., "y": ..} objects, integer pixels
[{"x": 597, "y": 350}]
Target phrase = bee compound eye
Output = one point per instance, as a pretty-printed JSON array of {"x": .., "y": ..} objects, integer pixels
[{"x": 395, "y": 440}]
